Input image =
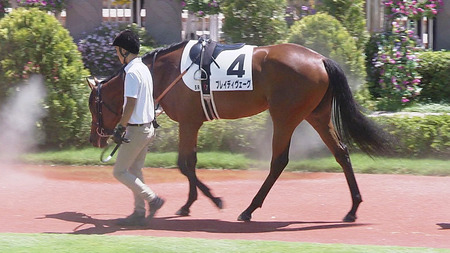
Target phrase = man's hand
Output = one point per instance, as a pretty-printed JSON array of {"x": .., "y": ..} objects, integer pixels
[{"x": 119, "y": 135}]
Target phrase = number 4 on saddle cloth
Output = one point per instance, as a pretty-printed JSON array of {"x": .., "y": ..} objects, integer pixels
[{"x": 216, "y": 67}]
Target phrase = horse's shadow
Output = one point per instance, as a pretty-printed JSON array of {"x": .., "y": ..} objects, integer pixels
[
  {"x": 444, "y": 225},
  {"x": 174, "y": 223}
]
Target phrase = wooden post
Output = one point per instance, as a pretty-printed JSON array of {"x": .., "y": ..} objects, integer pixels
[
  {"x": 442, "y": 28},
  {"x": 83, "y": 16}
]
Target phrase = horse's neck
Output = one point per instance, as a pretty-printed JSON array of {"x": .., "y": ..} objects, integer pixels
[{"x": 114, "y": 88}]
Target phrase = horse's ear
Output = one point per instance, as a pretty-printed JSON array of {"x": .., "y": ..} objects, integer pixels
[{"x": 90, "y": 83}]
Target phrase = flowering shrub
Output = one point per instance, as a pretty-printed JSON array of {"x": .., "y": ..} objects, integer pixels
[
  {"x": 392, "y": 57},
  {"x": 98, "y": 54},
  {"x": 202, "y": 8},
  {"x": 395, "y": 63},
  {"x": 46, "y": 5},
  {"x": 414, "y": 9}
]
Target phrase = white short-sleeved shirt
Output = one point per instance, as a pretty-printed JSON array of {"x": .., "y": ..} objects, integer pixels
[{"x": 139, "y": 85}]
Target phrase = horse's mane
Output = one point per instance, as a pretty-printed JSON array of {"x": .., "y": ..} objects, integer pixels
[
  {"x": 148, "y": 56},
  {"x": 119, "y": 71},
  {"x": 164, "y": 50}
]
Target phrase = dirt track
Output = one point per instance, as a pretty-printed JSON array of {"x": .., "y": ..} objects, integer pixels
[{"x": 306, "y": 207}]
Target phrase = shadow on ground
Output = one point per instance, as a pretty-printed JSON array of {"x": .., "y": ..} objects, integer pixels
[{"x": 90, "y": 225}]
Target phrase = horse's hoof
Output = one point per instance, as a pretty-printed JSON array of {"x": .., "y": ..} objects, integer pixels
[
  {"x": 244, "y": 217},
  {"x": 349, "y": 218},
  {"x": 218, "y": 202},
  {"x": 182, "y": 212}
]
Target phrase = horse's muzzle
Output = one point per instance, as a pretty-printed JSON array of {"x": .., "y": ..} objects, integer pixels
[{"x": 97, "y": 141}]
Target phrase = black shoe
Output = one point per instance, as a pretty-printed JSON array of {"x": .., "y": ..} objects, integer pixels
[
  {"x": 155, "y": 205},
  {"x": 133, "y": 220}
]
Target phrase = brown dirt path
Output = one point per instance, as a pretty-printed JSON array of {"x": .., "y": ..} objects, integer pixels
[{"x": 305, "y": 207}]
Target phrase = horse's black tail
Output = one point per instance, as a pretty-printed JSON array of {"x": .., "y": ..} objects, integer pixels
[{"x": 350, "y": 123}]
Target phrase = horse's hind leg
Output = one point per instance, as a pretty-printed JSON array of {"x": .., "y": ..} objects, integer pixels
[
  {"x": 322, "y": 124},
  {"x": 187, "y": 160},
  {"x": 280, "y": 158}
]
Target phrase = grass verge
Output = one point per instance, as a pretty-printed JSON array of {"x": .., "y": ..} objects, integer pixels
[
  {"x": 218, "y": 160},
  {"x": 47, "y": 243}
]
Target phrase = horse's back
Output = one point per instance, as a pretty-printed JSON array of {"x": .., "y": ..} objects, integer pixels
[
  {"x": 295, "y": 57},
  {"x": 290, "y": 70},
  {"x": 281, "y": 74}
]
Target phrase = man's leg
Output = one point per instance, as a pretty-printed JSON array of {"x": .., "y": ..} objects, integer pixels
[{"x": 131, "y": 156}]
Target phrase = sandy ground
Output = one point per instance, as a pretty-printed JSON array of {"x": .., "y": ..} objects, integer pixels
[{"x": 397, "y": 210}]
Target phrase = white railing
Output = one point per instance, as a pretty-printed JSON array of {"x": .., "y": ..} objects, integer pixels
[{"x": 209, "y": 26}]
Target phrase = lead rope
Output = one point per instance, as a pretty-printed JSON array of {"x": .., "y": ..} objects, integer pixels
[{"x": 173, "y": 83}]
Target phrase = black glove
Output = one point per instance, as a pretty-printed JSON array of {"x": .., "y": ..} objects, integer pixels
[{"x": 119, "y": 135}]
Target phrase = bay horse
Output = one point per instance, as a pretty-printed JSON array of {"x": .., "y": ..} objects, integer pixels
[{"x": 292, "y": 82}]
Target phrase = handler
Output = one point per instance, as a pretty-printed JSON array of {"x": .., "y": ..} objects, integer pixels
[{"x": 135, "y": 129}]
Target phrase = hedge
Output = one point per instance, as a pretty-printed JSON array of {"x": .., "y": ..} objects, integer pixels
[
  {"x": 418, "y": 136},
  {"x": 435, "y": 71},
  {"x": 240, "y": 135}
]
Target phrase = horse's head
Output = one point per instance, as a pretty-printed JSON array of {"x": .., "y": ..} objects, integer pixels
[{"x": 105, "y": 104}]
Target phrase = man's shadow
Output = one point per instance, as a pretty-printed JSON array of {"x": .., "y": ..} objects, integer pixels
[{"x": 184, "y": 224}]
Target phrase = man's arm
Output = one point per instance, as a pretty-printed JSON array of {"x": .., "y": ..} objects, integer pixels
[{"x": 127, "y": 111}]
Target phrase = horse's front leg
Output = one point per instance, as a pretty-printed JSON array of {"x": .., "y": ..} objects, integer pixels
[
  {"x": 186, "y": 164},
  {"x": 187, "y": 160}
]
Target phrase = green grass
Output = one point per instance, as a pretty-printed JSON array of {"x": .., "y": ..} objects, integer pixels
[
  {"x": 91, "y": 156},
  {"x": 47, "y": 243},
  {"x": 428, "y": 108},
  {"x": 217, "y": 160},
  {"x": 382, "y": 165}
]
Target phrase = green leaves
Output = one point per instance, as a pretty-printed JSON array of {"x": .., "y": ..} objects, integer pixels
[
  {"x": 420, "y": 135},
  {"x": 434, "y": 67},
  {"x": 255, "y": 22},
  {"x": 36, "y": 43},
  {"x": 326, "y": 35}
]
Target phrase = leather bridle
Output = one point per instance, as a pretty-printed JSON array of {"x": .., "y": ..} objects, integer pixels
[{"x": 99, "y": 104}]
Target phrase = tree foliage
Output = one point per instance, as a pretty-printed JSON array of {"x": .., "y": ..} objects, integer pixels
[
  {"x": 351, "y": 14},
  {"x": 31, "y": 41},
  {"x": 257, "y": 22},
  {"x": 326, "y": 35}
]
